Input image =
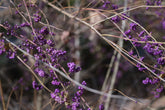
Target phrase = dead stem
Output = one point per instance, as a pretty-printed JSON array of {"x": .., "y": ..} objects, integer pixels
[{"x": 2, "y": 97}]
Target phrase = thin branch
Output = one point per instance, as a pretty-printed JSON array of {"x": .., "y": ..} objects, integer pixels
[
  {"x": 8, "y": 100},
  {"x": 117, "y": 62},
  {"x": 109, "y": 70},
  {"x": 137, "y": 7},
  {"x": 2, "y": 97},
  {"x": 77, "y": 44}
]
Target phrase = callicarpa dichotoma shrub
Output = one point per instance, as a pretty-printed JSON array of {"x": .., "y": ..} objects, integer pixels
[{"x": 81, "y": 55}]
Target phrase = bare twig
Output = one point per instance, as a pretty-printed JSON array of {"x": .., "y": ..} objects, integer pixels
[
  {"x": 77, "y": 44},
  {"x": 116, "y": 65},
  {"x": 2, "y": 97},
  {"x": 8, "y": 100},
  {"x": 109, "y": 70},
  {"x": 137, "y": 7}
]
